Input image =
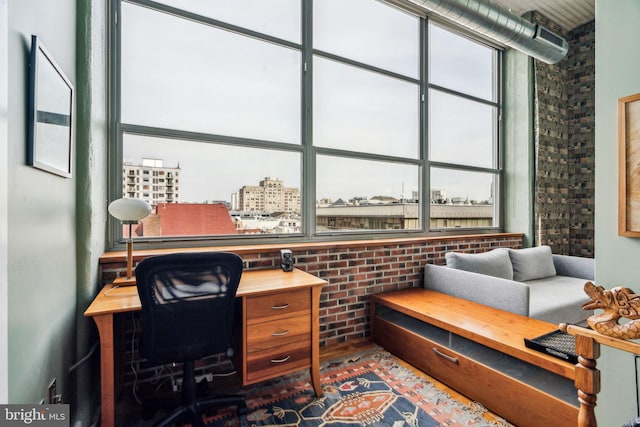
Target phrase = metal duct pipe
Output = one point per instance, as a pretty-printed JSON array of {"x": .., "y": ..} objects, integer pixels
[{"x": 501, "y": 25}]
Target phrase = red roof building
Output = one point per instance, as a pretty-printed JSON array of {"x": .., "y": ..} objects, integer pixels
[{"x": 188, "y": 219}]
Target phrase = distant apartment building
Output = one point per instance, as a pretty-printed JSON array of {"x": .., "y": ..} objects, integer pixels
[
  {"x": 267, "y": 224},
  {"x": 151, "y": 181},
  {"x": 269, "y": 196},
  {"x": 461, "y": 216},
  {"x": 402, "y": 216},
  {"x": 368, "y": 217},
  {"x": 438, "y": 196}
]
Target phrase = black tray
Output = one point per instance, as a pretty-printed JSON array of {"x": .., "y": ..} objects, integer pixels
[{"x": 557, "y": 343}]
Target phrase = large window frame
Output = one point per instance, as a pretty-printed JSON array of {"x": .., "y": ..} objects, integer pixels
[{"x": 307, "y": 151}]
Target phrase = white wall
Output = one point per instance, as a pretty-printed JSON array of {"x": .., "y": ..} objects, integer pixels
[
  {"x": 617, "y": 75},
  {"x": 41, "y": 230}
]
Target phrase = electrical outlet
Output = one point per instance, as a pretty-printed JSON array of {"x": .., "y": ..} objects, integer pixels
[
  {"x": 52, "y": 392},
  {"x": 176, "y": 384},
  {"x": 209, "y": 377}
]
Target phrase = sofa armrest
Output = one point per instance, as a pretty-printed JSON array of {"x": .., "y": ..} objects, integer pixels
[
  {"x": 574, "y": 266},
  {"x": 495, "y": 292}
]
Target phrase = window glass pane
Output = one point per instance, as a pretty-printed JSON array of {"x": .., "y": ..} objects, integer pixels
[
  {"x": 279, "y": 18},
  {"x": 344, "y": 28},
  {"x": 461, "y": 131},
  {"x": 359, "y": 110},
  {"x": 355, "y": 194},
  {"x": 182, "y": 75},
  {"x": 463, "y": 65},
  {"x": 462, "y": 199},
  {"x": 366, "y": 125},
  {"x": 215, "y": 189}
]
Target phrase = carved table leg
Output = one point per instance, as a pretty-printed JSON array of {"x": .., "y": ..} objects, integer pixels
[{"x": 587, "y": 379}]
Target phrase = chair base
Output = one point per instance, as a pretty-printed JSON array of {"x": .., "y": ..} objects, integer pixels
[
  {"x": 166, "y": 412},
  {"x": 193, "y": 412},
  {"x": 195, "y": 401}
]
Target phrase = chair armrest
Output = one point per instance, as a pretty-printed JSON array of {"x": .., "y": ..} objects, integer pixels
[{"x": 574, "y": 266}]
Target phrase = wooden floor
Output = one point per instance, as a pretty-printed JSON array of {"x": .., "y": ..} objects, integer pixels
[
  {"x": 344, "y": 349},
  {"x": 355, "y": 346}
]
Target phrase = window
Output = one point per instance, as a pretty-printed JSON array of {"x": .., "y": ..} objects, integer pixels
[
  {"x": 292, "y": 117},
  {"x": 359, "y": 110},
  {"x": 182, "y": 75},
  {"x": 463, "y": 131}
]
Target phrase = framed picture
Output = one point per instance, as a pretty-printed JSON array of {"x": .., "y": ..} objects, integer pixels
[
  {"x": 50, "y": 114},
  {"x": 629, "y": 166}
]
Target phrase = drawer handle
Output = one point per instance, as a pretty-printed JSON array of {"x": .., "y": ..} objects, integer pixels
[
  {"x": 280, "y": 360},
  {"x": 279, "y": 334},
  {"x": 280, "y": 307},
  {"x": 441, "y": 354}
]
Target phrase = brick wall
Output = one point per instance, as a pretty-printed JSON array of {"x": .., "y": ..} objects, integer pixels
[
  {"x": 565, "y": 154},
  {"x": 582, "y": 118},
  {"x": 354, "y": 270}
]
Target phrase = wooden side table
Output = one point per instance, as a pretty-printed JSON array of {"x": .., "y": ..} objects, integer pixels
[{"x": 587, "y": 375}]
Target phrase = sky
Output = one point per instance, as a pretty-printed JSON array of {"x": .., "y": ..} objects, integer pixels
[{"x": 184, "y": 76}]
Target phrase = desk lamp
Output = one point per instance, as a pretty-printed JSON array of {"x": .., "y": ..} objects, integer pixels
[{"x": 129, "y": 212}]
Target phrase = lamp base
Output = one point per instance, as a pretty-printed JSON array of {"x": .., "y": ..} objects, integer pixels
[{"x": 124, "y": 281}]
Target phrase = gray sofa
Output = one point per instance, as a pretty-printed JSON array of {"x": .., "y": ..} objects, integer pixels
[{"x": 532, "y": 282}]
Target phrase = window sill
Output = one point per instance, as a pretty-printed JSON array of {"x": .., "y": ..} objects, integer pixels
[{"x": 139, "y": 254}]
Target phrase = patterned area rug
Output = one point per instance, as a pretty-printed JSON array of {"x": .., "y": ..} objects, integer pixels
[{"x": 366, "y": 389}]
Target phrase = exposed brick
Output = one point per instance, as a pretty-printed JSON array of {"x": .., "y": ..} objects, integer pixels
[{"x": 354, "y": 273}]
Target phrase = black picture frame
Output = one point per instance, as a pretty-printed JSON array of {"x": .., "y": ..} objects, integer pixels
[{"x": 50, "y": 114}]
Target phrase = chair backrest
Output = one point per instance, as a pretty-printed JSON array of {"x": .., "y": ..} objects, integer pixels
[{"x": 188, "y": 302}]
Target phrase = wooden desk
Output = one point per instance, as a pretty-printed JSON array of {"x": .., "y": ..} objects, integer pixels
[{"x": 257, "y": 289}]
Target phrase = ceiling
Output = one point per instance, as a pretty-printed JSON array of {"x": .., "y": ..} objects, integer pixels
[{"x": 567, "y": 13}]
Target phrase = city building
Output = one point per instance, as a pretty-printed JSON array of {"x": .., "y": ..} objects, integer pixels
[
  {"x": 446, "y": 216},
  {"x": 368, "y": 217},
  {"x": 151, "y": 181},
  {"x": 187, "y": 219},
  {"x": 275, "y": 223},
  {"x": 402, "y": 216},
  {"x": 269, "y": 196}
]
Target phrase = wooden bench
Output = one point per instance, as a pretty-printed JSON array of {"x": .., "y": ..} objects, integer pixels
[{"x": 480, "y": 352}]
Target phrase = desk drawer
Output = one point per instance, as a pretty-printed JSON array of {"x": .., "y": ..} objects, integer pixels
[
  {"x": 277, "y": 361},
  {"x": 278, "y": 332},
  {"x": 278, "y": 305}
]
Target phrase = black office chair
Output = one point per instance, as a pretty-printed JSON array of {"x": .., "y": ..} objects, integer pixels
[{"x": 188, "y": 302}]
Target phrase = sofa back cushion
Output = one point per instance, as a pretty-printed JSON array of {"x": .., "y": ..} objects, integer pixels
[
  {"x": 492, "y": 263},
  {"x": 532, "y": 263}
]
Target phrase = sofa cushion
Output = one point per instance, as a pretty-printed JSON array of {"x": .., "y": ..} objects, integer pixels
[
  {"x": 492, "y": 263},
  {"x": 532, "y": 263},
  {"x": 558, "y": 299},
  {"x": 495, "y": 292}
]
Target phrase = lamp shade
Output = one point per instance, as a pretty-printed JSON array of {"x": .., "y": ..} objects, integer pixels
[{"x": 129, "y": 210}]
